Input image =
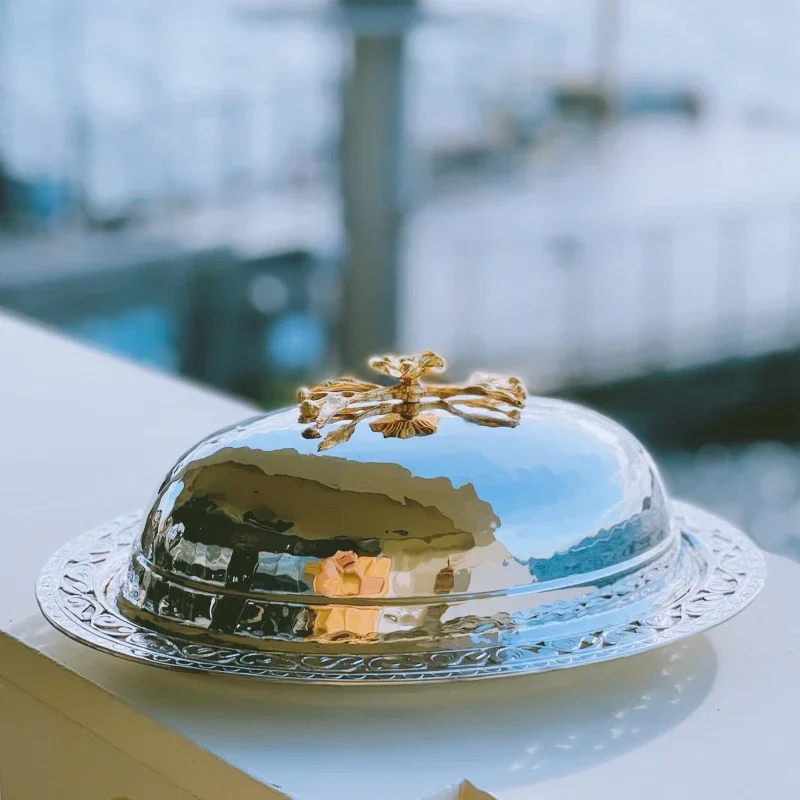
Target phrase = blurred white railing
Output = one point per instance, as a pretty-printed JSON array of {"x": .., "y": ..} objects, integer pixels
[{"x": 596, "y": 303}]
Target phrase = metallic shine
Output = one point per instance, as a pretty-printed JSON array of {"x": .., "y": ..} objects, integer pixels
[
  {"x": 409, "y": 533},
  {"x": 716, "y": 573},
  {"x": 440, "y": 556}
]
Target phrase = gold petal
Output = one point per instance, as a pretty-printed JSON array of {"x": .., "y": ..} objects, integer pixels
[
  {"x": 387, "y": 365},
  {"x": 430, "y": 361},
  {"x": 509, "y": 390},
  {"x": 329, "y": 407},
  {"x": 349, "y": 385},
  {"x": 385, "y": 422},
  {"x": 425, "y": 424},
  {"x": 309, "y": 411},
  {"x": 338, "y": 436},
  {"x": 393, "y": 426}
]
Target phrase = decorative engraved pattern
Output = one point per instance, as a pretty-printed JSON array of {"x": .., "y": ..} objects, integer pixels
[
  {"x": 401, "y": 408},
  {"x": 77, "y": 587}
]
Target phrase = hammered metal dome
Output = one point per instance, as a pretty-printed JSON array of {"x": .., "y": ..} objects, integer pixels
[
  {"x": 415, "y": 531},
  {"x": 257, "y": 534}
]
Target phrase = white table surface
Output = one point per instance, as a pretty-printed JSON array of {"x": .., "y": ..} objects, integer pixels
[{"x": 86, "y": 437}]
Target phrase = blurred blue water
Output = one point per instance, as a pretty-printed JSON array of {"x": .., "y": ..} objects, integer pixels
[{"x": 147, "y": 335}]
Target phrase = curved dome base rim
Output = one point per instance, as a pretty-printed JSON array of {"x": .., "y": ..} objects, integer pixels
[
  {"x": 441, "y": 626},
  {"x": 76, "y": 595}
]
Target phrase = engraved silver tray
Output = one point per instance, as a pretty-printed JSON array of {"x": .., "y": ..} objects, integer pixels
[{"x": 466, "y": 532}]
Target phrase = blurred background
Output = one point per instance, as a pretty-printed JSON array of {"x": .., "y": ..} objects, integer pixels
[{"x": 602, "y": 196}]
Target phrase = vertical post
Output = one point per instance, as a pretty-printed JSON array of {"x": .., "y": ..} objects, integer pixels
[
  {"x": 568, "y": 252},
  {"x": 373, "y": 134},
  {"x": 608, "y": 17},
  {"x": 657, "y": 330},
  {"x": 469, "y": 302},
  {"x": 731, "y": 288},
  {"x": 5, "y": 92},
  {"x": 793, "y": 287},
  {"x": 5, "y": 111},
  {"x": 77, "y": 154}
]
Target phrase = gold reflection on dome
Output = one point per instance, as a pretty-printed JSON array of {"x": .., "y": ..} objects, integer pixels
[
  {"x": 445, "y": 580},
  {"x": 346, "y": 574},
  {"x": 343, "y": 624}
]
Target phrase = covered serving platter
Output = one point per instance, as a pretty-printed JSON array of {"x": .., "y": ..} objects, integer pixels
[{"x": 406, "y": 532}]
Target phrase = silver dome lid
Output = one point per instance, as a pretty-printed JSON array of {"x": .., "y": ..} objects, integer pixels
[{"x": 456, "y": 518}]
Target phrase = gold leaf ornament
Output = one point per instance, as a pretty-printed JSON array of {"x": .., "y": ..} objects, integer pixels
[
  {"x": 398, "y": 427},
  {"x": 403, "y": 411}
]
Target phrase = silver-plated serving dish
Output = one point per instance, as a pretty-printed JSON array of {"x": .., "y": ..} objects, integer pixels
[{"x": 463, "y": 532}]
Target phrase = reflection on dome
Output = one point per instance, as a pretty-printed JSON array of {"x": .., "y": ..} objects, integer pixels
[
  {"x": 254, "y": 525},
  {"x": 348, "y": 575}
]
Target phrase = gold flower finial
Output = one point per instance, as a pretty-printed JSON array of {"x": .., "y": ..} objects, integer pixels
[{"x": 402, "y": 408}]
